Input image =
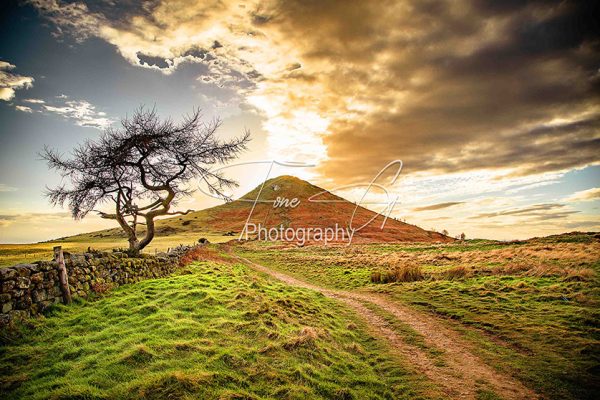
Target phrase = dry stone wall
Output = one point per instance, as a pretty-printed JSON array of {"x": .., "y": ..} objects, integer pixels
[{"x": 28, "y": 289}]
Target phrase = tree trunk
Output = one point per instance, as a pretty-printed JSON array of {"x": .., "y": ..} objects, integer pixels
[
  {"x": 134, "y": 247},
  {"x": 149, "y": 234}
]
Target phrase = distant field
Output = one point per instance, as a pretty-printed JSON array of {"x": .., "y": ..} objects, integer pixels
[
  {"x": 530, "y": 308},
  {"x": 11, "y": 254},
  {"x": 214, "y": 331}
]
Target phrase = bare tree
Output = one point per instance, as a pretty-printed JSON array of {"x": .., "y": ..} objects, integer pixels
[
  {"x": 445, "y": 232},
  {"x": 143, "y": 168},
  {"x": 462, "y": 236}
]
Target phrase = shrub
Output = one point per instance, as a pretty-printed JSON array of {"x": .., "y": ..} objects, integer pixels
[
  {"x": 408, "y": 273},
  {"x": 402, "y": 273},
  {"x": 376, "y": 277}
]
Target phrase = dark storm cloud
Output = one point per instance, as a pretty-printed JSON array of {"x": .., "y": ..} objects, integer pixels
[
  {"x": 121, "y": 11},
  {"x": 485, "y": 107},
  {"x": 153, "y": 61}
]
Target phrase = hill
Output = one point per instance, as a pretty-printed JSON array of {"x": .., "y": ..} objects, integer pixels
[{"x": 326, "y": 212}]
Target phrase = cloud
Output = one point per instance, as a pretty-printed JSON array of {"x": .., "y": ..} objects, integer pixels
[
  {"x": 10, "y": 82},
  {"x": 32, "y": 217},
  {"x": 438, "y": 206},
  {"x": 73, "y": 17},
  {"x": 82, "y": 112},
  {"x": 584, "y": 195},
  {"x": 255, "y": 64},
  {"x": 538, "y": 211},
  {"x": 24, "y": 109},
  {"x": 25, "y": 227},
  {"x": 475, "y": 95},
  {"x": 37, "y": 220},
  {"x": 6, "y": 188},
  {"x": 583, "y": 225}
]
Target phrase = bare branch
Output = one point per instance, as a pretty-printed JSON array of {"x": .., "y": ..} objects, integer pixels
[{"x": 180, "y": 212}]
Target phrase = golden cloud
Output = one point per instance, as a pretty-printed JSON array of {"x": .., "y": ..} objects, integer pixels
[
  {"x": 10, "y": 81},
  {"x": 584, "y": 195}
]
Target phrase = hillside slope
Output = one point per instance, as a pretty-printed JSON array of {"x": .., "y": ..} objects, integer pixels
[
  {"x": 217, "y": 330},
  {"x": 231, "y": 217}
]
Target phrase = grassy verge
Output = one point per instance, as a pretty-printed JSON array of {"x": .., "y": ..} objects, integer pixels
[
  {"x": 530, "y": 309},
  {"x": 536, "y": 328},
  {"x": 215, "y": 331}
]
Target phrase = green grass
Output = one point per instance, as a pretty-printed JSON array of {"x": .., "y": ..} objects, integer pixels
[
  {"x": 302, "y": 263},
  {"x": 409, "y": 335},
  {"x": 484, "y": 394},
  {"x": 214, "y": 331},
  {"x": 544, "y": 329}
]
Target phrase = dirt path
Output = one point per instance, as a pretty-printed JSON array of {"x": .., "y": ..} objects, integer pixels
[{"x": 462, "y": 372}]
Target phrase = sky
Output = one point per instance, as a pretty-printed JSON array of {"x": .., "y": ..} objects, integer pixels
[{"x": 493, "y": 107}]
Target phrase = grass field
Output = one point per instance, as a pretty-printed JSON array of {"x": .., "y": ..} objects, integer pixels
[
  {"x": 215, "y": 330},
  {"x": 529, "y": 308}
]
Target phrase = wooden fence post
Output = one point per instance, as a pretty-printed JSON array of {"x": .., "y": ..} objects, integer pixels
[{"x": 62, "y": 274}]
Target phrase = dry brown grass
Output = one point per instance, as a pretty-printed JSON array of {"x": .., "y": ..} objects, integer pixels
[
  {"x": 513, "y": 268},
  {"x": 569, "y": 254},
  {"x": 101, "y": 288},
  {"x": 459, "y": 272},
  {"x": 201, "y": 253},
  {"x": 306, "y": 338},
  {"x": 571, "y": 261},
  {"x": 581, "y": 274},
  {"x": 538, "y": 269}
]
